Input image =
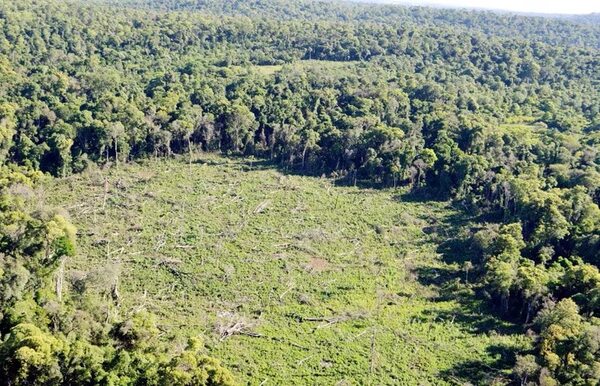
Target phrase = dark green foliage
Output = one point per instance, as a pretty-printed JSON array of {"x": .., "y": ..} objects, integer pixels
[
  {"x": 38, "y": 347},
  {"x": 191, "y": 367},
  {"x": 195, "y": 80},
  {"x": 499, "y": 113}
]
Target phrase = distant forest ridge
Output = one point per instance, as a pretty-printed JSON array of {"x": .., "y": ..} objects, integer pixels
[
  {"x": 576, "y": 17},
  {"x": 579, "y": 30},
  {"x": 498, "y": 114}
]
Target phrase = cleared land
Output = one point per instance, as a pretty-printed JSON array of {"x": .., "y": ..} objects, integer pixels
[{"x": 289, "y": 279}]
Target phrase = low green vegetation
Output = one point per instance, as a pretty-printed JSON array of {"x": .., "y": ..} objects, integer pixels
[
  {"x": 60, "y": 329},
  {"x": 286, "y": 278},
  {"x": 449, "y": 230}
]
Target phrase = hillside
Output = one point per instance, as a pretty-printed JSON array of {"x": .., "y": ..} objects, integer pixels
[
  {"x": 318, "y": 284},
  {"x": 493, "y": 24},
  {"x": 203, "y": 192}
]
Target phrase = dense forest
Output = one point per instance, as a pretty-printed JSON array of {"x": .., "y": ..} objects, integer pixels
[{"x": 499, "y": 113}]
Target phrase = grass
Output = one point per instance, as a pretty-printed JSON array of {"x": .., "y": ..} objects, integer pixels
[
  {"x": 289, "y": 279},
  {"x": 268, "y": 70}
]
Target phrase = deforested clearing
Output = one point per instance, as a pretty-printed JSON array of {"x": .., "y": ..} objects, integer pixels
[{"x": 289, "y": 279}]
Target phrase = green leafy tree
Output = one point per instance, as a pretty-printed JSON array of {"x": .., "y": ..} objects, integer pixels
[
  {"x": 239, "y": 125},
  {"x": 31, "y": 356},
  {"x": 192, "y": 367}
]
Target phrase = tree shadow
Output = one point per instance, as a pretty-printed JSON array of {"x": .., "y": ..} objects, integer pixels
[
  {"x": 447, "y": 278},
  {"x": 454, "y": 280},
  {"x": 435, "y": 276},
  {"x": 472, "y": 314},
  {"x": 249, "y": 164},
  {"x": 481, "y": 373},
  {"x": 418, "y": 196},
  {"x": 245, "y": 163},
  {"x": 453, "y": 235},
  {"x": 349, "y": 181}
]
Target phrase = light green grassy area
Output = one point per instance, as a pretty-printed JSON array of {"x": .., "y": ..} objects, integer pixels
[
  {"x": 525, "y": 128},
  {"x": 268, "y": 69},
  {"x": 289, "y": 279}
]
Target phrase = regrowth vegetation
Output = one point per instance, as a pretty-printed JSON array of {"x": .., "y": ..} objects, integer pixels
[
  {"x": 53, "y": 336},
  {"x": 496, "y": 113},
  {"x": 290, "y": 279}
]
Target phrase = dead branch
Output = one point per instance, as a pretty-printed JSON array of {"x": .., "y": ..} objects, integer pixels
[
  {"x": 328, "y": 321},
  {"x": 262, "y": 206},
  {"x": 239, "y": 328}
]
